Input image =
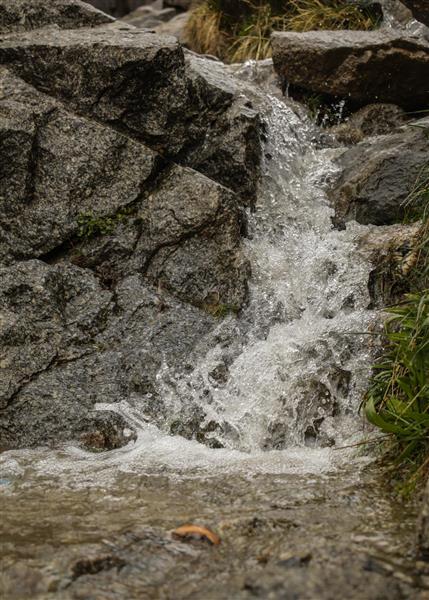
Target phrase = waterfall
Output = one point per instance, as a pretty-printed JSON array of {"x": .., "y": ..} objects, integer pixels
[
  {"x": 278, "y": 386},
  {"x": 303, "y": 359}
]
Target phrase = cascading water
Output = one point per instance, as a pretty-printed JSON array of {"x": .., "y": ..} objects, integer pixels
[
  {"x": 288, "y": 373},
  {"x": 267, "y": 397}
]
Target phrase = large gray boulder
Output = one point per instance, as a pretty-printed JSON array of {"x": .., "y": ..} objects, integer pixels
[
  {"x": 67, "y": 344},
  {"x": 377, "y": 176},
  {"x": 116, "y": 256},
  {"x": 25, "y": 15},
  {"x": 364, "y": 67},
  {"x": 137, "y": 82},
  {"x": 56, "y": 167}
]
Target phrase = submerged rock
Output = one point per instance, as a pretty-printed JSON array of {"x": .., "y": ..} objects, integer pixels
[
  {"x": 378, "y": 174},
  {"x": 374, "y": 66}
]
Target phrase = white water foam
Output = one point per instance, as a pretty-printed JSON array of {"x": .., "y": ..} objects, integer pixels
[{"x": 295, "y": 383}]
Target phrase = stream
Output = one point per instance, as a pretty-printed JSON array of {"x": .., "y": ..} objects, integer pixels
[{"x": 281, "y": 476}]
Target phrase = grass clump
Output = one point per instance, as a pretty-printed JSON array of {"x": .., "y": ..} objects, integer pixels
[
  {"x": 309, "y": 15},
  {"x": 398, "y": 399},
  {"x": 238, "y": 30}
]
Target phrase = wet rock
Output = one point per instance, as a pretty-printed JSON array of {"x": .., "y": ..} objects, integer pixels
[
  {"x": 184, "y": 236},
  {"x": 419, "y": 9},
  {"x": 374, "y": 119},
  {"x": 233, "y": 147},
  {"x": 25, "y": 15},
  {"x": 48, "y": 315},
  {"x": 375, "y": 66},
  {"x": 138, "y": 82},
  {"x": 147, "y": 16},
  {"x": 115, "y": 261},
  {"x": 67, "y": 345},
  {"x": 118, "y": 8},
  {"x": 183, "y": 231},
  {"x": 59, "y": 172},
  {"x": 132, "y": 79},
  {"x": 393, "y": 252},
  {"x": 105, "y": 431},
  {"x": 194, "y": 241},
  {"x": 175, "y": 27},
  {"x": 377, "y": 176}
]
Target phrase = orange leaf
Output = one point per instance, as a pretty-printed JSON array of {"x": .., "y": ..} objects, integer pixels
[{"x": 189, "y": 531}]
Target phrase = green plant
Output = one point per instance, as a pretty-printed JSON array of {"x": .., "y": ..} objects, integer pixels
[
  {"x": 90, "y": 225},
  {"x": 398, "y": 399},
  {"x": 251, "y": 39},
  {"x": 416, "y": 205}
]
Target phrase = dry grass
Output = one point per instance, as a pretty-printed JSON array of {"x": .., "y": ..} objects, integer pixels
[
  {"x": 203, "y": 31},
  {"x": 252, "y": 40},
  {"x": 241, "y": 29},
  {"x": 309, "y": 15}
]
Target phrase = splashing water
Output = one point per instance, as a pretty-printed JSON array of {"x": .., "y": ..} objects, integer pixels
[
  {"x": 280, "y": 384},
  {"x": 303, "y": 365}
]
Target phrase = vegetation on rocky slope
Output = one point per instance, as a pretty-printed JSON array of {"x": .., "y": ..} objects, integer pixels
[
  {"x": 237, "y": 30},
  {"x": 398, "y": 399}
]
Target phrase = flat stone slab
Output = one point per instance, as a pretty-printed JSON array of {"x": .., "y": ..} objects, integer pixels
[{"x": 373, "y": 66}]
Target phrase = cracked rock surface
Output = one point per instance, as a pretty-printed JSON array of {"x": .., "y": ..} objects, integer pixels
[{"x": 121, "y": 217}]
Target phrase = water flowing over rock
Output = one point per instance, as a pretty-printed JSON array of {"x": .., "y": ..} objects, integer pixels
[
  {"x": 183, "y": 332},
  {"x": 382, "y": 66}
]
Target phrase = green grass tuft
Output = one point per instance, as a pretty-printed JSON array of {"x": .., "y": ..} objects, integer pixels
[{"x": 398, "y": 399}]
